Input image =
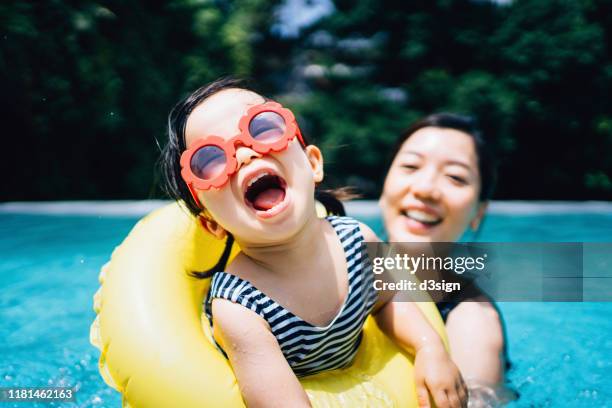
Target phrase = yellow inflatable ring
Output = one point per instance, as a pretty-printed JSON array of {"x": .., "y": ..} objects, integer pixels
[{"x": 156, "y": 349}]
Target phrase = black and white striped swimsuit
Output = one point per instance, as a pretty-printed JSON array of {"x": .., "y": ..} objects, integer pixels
[{"x": 311, "y": 349}]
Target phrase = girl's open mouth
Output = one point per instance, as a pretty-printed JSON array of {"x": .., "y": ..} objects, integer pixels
[{"x": 266, "y": 193}]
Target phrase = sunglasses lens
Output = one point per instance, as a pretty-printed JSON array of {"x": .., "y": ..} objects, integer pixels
[
  {"x": 208, "y": 162},
  {"x": 267, "y": 127}
]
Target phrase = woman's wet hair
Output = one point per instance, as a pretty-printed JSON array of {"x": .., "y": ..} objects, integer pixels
[
  {"x": 170, "y": 163},
  {"x": 487, "y": 163}
]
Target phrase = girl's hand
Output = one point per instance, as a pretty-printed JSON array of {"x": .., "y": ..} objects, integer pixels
[{"x": 435, "y": 372}]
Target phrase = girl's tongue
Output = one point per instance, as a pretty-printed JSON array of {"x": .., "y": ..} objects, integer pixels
[
  {"x": 266, "y": 192},
  {"x": 268, "y": 198}
]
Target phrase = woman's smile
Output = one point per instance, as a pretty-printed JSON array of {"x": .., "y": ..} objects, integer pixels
[{"x": 421, "y": 219}]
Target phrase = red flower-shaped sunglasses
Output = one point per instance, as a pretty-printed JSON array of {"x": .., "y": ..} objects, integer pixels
[{"x": 211, "y": 160}]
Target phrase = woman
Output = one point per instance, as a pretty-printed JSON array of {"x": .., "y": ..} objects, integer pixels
[{"x": 438, "y": 186}]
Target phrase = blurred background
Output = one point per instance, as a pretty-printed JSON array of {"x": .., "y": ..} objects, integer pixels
[{"x": 87, "y": 86}]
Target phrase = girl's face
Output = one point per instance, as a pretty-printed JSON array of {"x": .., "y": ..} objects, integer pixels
[
  {"x": 431, "y": 193},
  {"x": 270, "y": 197}
]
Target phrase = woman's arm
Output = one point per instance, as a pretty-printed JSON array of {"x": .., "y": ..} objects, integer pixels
[
  {"x": 264, "y": 376},
  {"x": 476, "y": 325}
]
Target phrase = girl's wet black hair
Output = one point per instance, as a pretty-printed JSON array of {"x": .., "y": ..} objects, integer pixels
[
  {"x": 487, "y": 163},
  {"x": 170, "y": 166},
  {"x": 170, "y": 159}
]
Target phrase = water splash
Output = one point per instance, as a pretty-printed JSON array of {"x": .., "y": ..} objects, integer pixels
[{"x": 490, "y": 396}]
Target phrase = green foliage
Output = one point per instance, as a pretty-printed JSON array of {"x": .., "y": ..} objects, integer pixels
[
  {"x": 535, "y": 73},
  {"x": 86, "y": 86}
]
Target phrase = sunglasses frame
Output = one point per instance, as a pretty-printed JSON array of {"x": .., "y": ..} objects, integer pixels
[{"x": 229, "y": 147}]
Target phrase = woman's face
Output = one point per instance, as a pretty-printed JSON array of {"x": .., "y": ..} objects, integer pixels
[
  {"x": 431, "y": 193},
  {"x": 255, "y": 214}
]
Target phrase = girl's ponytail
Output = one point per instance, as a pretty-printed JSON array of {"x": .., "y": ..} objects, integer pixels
[
  {"x": 221, "y": 263},
  {"x": 332, "y": 199}
]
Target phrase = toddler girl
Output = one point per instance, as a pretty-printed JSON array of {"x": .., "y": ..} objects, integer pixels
[{"x": 294, "y": 301}]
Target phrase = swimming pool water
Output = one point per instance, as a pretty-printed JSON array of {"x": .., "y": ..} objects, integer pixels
[{"x": 561, "y": 352}]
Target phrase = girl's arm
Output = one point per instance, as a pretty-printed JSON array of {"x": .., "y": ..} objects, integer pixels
[
  {"x": 264, "y": 376},
  {"x": 433, "y": 368},
  {"x": 404, "y": 323}
]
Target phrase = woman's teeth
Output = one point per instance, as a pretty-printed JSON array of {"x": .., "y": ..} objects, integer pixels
[{"x": 422, "y": 216}]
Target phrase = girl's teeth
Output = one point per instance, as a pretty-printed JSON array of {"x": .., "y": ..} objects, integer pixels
[
  {"x": 254, "y": 179},
  {"x": 422, "y": 216}
]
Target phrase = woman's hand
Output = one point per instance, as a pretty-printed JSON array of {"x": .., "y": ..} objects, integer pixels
[{"x": 435, "y": 374}]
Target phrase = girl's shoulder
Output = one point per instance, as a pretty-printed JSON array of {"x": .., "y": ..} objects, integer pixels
[
  {"x": 242, "y": 266},
  {"x": 346, "y": 222},
  {"x": 342, "y": 222},
  {"x": 229, "y": 286},
  {"x": 340, "y": 219}
]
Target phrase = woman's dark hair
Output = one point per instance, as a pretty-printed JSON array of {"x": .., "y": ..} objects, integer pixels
[
  {"x": 170, "y": 165},
  {"x": 487, "y": 163}
]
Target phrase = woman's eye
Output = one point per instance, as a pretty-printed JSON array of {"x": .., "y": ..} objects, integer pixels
[
  {"x": 409, "y": 166},
  {"x": 458, "y": 179}
]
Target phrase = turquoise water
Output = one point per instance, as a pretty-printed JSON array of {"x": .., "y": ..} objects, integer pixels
[{"x": 48, "y": 275}]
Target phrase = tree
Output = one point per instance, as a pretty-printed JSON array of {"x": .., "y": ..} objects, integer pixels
[{"x": 535, "y": 73}]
